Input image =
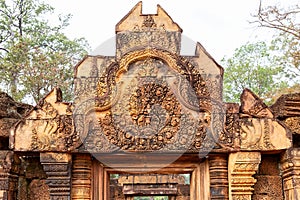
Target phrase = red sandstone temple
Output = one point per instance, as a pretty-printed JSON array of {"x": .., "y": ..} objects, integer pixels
[{"x": 149, "y": 123}]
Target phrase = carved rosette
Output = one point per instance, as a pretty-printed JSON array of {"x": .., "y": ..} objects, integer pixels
[
  {"x": 242, "y": 166},
  {"x": 58, "y": 169},
  {"x": 290, "y": 166},
  {"x": 293, "y": 123},
  {"x": 150, "y": 100}
]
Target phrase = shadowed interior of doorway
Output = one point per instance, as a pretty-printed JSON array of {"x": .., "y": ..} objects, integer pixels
[{"x": 150, "y": 186}]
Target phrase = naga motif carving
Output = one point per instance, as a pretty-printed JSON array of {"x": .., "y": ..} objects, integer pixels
[
  {"x": 59, "y": 129},
  {"x": 49, "y": 126}
]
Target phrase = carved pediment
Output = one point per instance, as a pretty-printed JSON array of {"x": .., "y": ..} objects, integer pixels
[
  {"x": 152, "y": 100},
  {"x": 136, "y": 21},
  {"x": 149, "y": 98},
  {"x": 287, "y": 109},
  {"x": 47, "y": 127}
]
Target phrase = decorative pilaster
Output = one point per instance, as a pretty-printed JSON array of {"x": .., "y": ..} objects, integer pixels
[
  {"x": 8, "y": 175},
  {"x": 4, "y": 176},
  {"x": 242, "y": 166},
  {"x": 81, "y": 177},
  {"x": 57, "y": 168},
  {"x": 218, "y": 173},
  {"x": 290, "y": 167}
]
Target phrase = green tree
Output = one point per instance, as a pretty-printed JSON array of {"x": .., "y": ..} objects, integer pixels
[
  {"x": 35, "y": 55},
  {"x": 252, "y": 66},
  {"x": 286, "y": 23}
]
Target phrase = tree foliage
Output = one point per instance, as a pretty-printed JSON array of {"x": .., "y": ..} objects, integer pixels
[
  {"x": 252, "y": 66},
  {"x": 35, "y": 55},
  {"x": 286, "y": 22},
  {"x": 269, "y": 70}
]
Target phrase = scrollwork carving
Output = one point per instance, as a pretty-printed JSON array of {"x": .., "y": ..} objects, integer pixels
[{"x": 144, "y": 100}]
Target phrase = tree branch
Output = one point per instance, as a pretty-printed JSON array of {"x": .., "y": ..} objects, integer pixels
[
  {"x": 271, "y": 17},
  {"x": 3, "y": 49}
]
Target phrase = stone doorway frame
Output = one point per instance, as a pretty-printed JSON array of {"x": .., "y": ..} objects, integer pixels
[{"x": 199, "y": 170}]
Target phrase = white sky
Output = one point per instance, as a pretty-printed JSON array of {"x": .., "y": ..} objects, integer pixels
[{"x": 220, "y": 26}]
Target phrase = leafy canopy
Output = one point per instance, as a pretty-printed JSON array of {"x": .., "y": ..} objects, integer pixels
[
  {"x": 272, "y": 69},
  {"x": 252, "y": 66},
  {"x": 285, "y": 21},
  {"x": 35, "y": 55}
]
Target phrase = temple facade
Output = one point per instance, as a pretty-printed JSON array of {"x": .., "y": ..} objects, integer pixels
[{"x": 149, "y": 124}]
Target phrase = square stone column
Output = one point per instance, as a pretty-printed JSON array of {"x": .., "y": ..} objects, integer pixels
[
  {"x": 241, "y": 168},
  {"x": 57, "y": 166}
]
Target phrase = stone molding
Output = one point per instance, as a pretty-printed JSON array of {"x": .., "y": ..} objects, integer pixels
[
  {"x": 242, "y": 166},
  {"x": 57, "y": 166}
]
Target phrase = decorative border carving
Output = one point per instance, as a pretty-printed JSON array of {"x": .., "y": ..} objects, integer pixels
[
  {"x": 290, "y": 167},
  {"x": 58, "y": 169},
  {"x": 242, "y": 166}
]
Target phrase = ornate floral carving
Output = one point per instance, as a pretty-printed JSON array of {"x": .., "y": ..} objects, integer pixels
[
  {"x": 231, "y": 124},
  {"x": 145, "y": 100},
  {"x": 293, "y": 123},
  {"x": 147, "y": 132},
  {"x": 159, "y": 39},
  {"x": 149, "y": 22}
]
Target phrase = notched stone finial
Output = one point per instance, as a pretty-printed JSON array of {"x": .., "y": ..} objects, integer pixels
[{"x": 253, "y": 106}]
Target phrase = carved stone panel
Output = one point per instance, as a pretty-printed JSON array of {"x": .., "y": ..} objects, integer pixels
[
  {"x": 252, "y": 126},
  {"x": 58, "y": 169},
  {"x": 287, "y": 106},
  {"x": 241, "y": 168},
  {"x": 48, "y": 127},
  {"x": 290, "y": 166},
  {"x": 263, "y": 134},
  {"x": 145, "y": 100}
]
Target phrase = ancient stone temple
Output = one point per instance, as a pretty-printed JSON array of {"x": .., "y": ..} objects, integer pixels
[{"x": 149, "y": 123}]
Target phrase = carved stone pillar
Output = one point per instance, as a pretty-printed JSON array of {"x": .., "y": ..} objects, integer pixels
[
  {"x": 218, "y": 173},
  {"x": 4, "y": 176},
  {"x": 81, "y": 177},
  {"x": 57, "y": 168},
  {"x": 290, "y": 167},
  {"x": 242, "y": 166},
  {"x": 8, "y": 175}
]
